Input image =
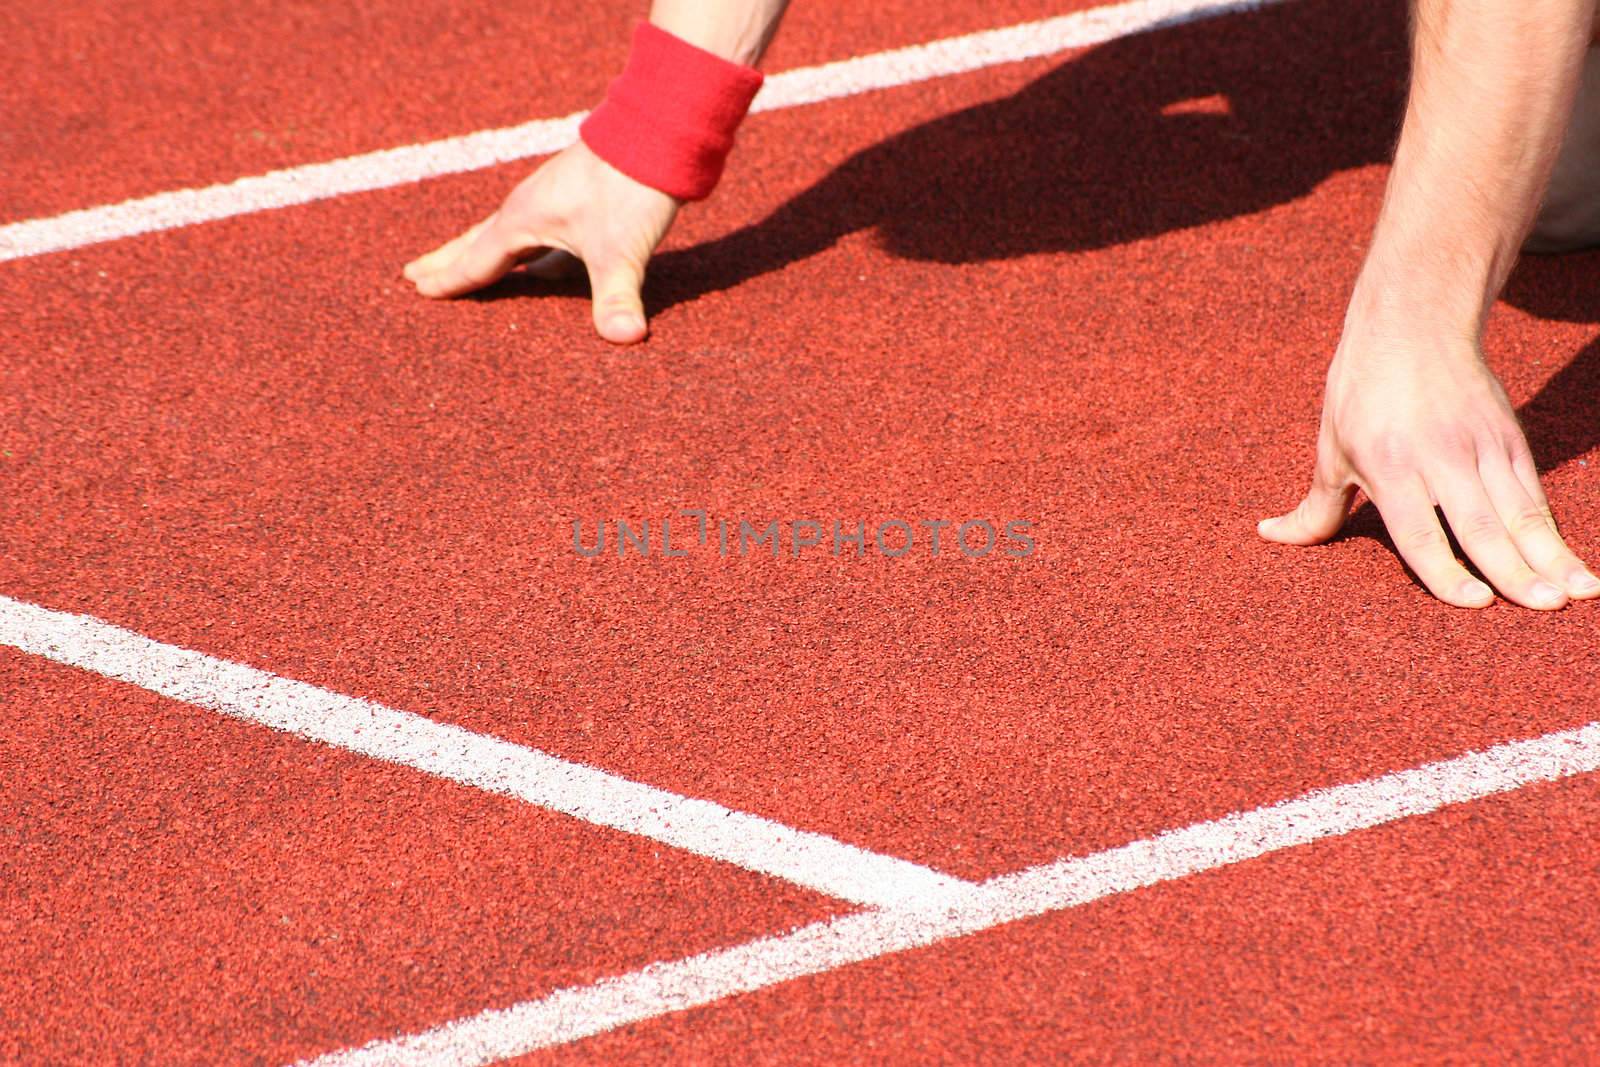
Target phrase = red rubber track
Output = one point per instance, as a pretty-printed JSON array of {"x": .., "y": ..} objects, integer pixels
[
  {"x": 100, "y": 102},
  {"x": 182, "y": 888},
  {"x": 1097, "y": 292},
  {"x": 250, "y": 438},
  {"x": 1469, "y": 936}
]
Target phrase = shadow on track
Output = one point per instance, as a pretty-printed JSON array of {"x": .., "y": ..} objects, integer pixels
[
  {"x": 1144, "y": 135},
  {"x": 1562, "y": 419},
  {"x": 1138, "y": 137}
]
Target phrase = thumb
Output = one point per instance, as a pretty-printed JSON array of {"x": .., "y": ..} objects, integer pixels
[
  {"x": 1317, "y": 517},
  {"x": 481, "y": 256},
  {"x": 618, "y": 309}
]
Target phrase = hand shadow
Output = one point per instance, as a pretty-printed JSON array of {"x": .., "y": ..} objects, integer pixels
[
  {"x": 1156, "y": 132},
  {"x": 1147, "y": 134}
]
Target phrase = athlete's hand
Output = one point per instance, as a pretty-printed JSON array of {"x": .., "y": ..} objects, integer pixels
[
  {"x": 1415, "y": 424},
  {"x": 575, "y": 207}
]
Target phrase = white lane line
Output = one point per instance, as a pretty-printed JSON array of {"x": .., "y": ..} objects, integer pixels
[
  {"x": 986, "y": 48},
  {"x": 663, "y": 988},
  {"x": 699, "y": 826},
  {"x": 487, "y": 148}
]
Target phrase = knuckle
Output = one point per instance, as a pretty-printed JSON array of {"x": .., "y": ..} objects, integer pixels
[
  {"x": 1532, "y": 520},
  {"x": 1517, "y": 447},
  {"x": 1331, "y": 475},
  {"x": 618, "y": 298},
  {"x": 1478, "y": 527},
  {"x": 1393, "y": 456},
  {"x": 1423, "y": 540},
  {"x": 1452, "y": 444}
]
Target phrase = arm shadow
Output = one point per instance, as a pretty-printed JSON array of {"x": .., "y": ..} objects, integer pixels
[
  {"x": 1144, "y": 135},
  {"x": 1164, "y": 130}
]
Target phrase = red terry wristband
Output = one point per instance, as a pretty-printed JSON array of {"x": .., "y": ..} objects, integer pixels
[{"x": 669, "y": 120}]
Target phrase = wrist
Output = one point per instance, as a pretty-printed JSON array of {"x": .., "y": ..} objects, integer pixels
[
  {"x": 1421, "y": 292},
  {"x": 669, "y": 120}
]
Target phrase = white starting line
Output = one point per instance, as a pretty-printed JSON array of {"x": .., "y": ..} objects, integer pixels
[
  {"x": 910, "y": 906},
  {"x": 663, "y": 988},
  {"x": 812, "y": 860}
]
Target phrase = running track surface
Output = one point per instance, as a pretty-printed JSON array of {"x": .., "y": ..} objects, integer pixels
[{"x": 1095, "y": 291}]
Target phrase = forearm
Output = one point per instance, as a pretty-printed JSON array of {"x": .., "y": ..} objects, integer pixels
[
  {"x": 739, "y": 30},
  {"x": 1492, "y": 88}
]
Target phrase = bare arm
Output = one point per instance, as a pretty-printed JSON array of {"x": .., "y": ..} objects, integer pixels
[
  {"x": 1491, "y": 94},
  {"x": 739, "y": 30},
  {"x": 1412, "y": 415},
  {"x": 578, "y": 208}
]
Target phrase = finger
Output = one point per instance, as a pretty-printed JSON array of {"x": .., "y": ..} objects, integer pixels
[
  {"x": 1533, "y": 529},
  {"x": 430, "y": 262},
  {"x": 485, "y": 259},
  {"x": 1527, "y": 472},
  {"x": 618, "y": 309},
  {"x": 1487, "y": 542},
  {"x": 1318, "y": 516},
  {"x": 554, "y": 266},
  {"x": 1407, "y": 513}
]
